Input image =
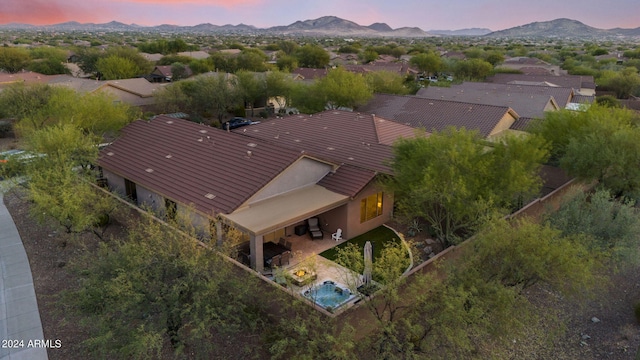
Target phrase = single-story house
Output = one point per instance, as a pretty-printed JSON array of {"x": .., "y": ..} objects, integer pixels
[
  {"x": 437, "y": 115},
  {"x": 528, "y": 104},
  {"x": 265, "y": 179},
  {"x": 581, "y": 84}
]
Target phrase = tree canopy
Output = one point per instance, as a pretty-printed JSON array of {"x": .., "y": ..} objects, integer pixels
[{"x": 452, "y": 179}]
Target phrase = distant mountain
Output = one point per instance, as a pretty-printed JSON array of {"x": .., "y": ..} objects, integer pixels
[
  {"x": 462, "y": 32},
  {"x": 562, "y": 28},
  {"x": 335, "y": 26},
  {"x": 380, "y": 27}
]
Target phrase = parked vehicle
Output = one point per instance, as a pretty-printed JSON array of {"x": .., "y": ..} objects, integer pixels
[{"x": 237, "y": 122}]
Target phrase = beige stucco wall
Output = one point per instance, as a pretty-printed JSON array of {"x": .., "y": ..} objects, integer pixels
[
  {"x": 303, "y": 172},
  {"x": 504, "y": 123},
  {"x": 354, "y": 227},
  {"x": 115, "y": 182}
]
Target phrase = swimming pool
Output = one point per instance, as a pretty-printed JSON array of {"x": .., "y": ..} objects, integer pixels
[{"x": 329, "y": 295}]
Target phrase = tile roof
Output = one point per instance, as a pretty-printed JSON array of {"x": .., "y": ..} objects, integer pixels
[
  {"x": 569, "y": 81},
  {"x": 521, "y": 124},
  {"x": 347, "y": 180},
  {"x": 342, "y": 137},
  {"x": 195, "y": 164},
  {"x": 310, "y": 73},
  {"x": 524, "y": 103},
  {"x": 26, "y": 77},
  {"x": 389, "y": 131},
  {"x": 437, "y": 115},
  {"x": 561, "y": 95}
]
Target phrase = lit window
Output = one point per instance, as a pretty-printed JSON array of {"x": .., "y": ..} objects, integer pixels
[{"x": 371, "y": 207}]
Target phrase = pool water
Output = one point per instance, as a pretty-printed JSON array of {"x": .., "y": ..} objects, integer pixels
[{"x": 329, "y": 295}]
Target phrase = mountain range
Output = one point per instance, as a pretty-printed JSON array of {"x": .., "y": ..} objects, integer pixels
[{"x": 335, "y": 26}]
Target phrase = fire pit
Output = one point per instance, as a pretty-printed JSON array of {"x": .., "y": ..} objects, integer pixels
[{"x": 302, "y": 277}]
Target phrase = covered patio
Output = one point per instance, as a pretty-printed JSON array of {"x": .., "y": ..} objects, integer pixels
[{"x": 273, "y": 218}]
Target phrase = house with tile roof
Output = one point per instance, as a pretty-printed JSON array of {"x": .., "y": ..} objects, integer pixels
[
  {"x": 437, "y": 115},
  {"x": 265, "y": 179},
  {"x": 136, "y": 92},
  {"x": 581, "y": 84},
  {"x": 526, "y": 105}
]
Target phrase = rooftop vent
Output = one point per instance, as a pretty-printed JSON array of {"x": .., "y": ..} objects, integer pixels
[
  {"x": 169, "y": 156},
  {"x": 350, "y": 158},
  {"x": 330, "y": 148},
  {"x": 149, "y": 170},
  {"x": 110, "y": 153},
  {"x": 209, "y": 196},
  {"x": 252, "y": 144},
  {"x": 249, "y": 153},
  {"x": 203, "y": 131},
  {"x": 169, "y": 121}
]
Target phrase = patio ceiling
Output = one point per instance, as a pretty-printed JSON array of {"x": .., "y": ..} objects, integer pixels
[{"x": 284, "y": 210}]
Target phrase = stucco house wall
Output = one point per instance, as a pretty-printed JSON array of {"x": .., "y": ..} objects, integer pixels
[{"x": 354, "y": 227}]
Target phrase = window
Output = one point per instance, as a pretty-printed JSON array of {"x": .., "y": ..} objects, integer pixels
[{"x": 371, "y": 207}]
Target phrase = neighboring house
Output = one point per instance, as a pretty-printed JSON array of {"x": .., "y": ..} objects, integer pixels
[
  {"x": 164, "y": 73},
  {"x": 152, "y": 57},
  {"x": 308, "y": 74},
  {"x": 437, "y": 115},
  {"x": 135, "y": 92},
  {"x": 528, "y": 104},
  {"x": 531, "y": 66},
  {"x": 198, "y": 55},
  {"x": 264, "y": 179},
  {"x": 24, "y": 77},
  {"x": 581, "y": 84},
  {"x": 400, "y": 68}
]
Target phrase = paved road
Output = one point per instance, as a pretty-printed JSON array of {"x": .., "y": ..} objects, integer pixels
[{"x": 20, "y": 324}]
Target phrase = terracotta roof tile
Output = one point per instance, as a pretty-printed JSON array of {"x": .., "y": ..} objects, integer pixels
[
  {"x": 347, "y": 180},
  {"x": 342, "y": 137},
  {"x": 569, "y": 81},
  {"x": 436, "y": 115},
  {"x": 524, "y": 103},
  {"x": 185, "y": 162}
]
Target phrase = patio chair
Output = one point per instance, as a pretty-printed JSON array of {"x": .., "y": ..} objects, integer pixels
[
  {"x": 337, "y": 236},
  {"x": 288, "y": 245},
  {"x": 275, "y": 261},
  {"x": 282, "y": 242},
  {"x": 284, "y": 258},
  {"x": 314, "y": 228}
]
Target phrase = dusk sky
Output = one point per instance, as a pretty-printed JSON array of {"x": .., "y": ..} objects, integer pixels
[{"x": 425, "y": 14}]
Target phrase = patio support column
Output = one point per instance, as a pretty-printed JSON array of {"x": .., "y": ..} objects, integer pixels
[{"x": 257, "y": 258}]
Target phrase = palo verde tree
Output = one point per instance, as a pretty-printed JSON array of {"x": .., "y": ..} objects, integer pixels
[
  {"x": 607, "y": 227},
  {"x": 156, "y": 287},
  {"x": 600, "y": 143},
  {"x": 13, "y": 59},
  {"x": 453, "y": 179},
  {"x": 341, "y": 88}
]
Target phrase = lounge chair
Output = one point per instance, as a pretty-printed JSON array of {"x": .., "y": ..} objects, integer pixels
[{"x": 314, "y": 228}]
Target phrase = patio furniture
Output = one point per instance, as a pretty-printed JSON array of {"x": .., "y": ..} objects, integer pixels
[
  {"x": 300, "y": 230},
  {"x": 314, "y": 228},
  {"x": 275, "y": 261},
  {"x": 270, "y": 250},
  {"x": 282, "y": 242},
  {"x": 337, "y": 236},
  {"x": 284, "y": 258},
  {"x": 288, "y": 245}
]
